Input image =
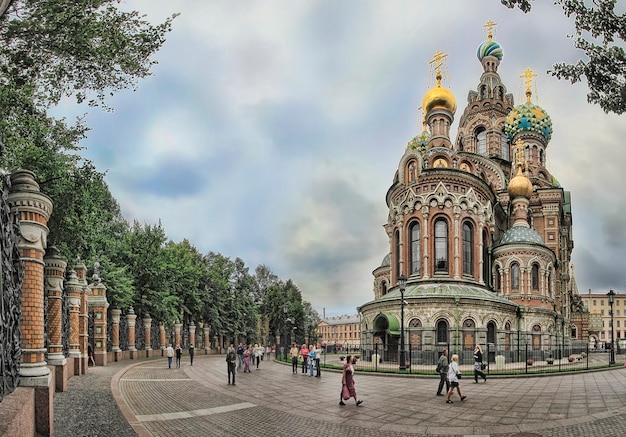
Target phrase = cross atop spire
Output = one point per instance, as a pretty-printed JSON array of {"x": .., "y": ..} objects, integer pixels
[
  {"x": 436, "y": 64},
  {"x": 490, "y": 27},
  {"x": 528, "y": 80}
]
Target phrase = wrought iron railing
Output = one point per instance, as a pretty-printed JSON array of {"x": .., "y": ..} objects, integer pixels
[{"x": 11, "y": 279}]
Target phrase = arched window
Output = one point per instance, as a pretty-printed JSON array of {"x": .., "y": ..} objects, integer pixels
[
  {"x": 415, "y": 248},
  {"x": 442, "y": 331},
  {"x": 515, "y": 276},
  {"x": 481, "y": 141},
  {"x": 468, "y": 245},
  {"x": 383, "y": 288},
  {"x": 491, "y": 332},
  {"x": 397, "y": 238},
  {"x": 496, "y": 280},
  {"x": 535, "y": 276},
  {"x": 441, "y": 246},
  {"x": 486, "y": 259},
  {"x": 504, "y": 144}
]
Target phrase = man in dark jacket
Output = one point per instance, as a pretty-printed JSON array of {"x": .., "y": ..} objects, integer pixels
[
  {"x": 231, "y": 362},
  {"x": 442, "y": 368}
]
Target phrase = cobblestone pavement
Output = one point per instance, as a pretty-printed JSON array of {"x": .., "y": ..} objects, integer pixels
[
  {"x": 272, "y": 401},
  {"x": 156, "y": 401}
]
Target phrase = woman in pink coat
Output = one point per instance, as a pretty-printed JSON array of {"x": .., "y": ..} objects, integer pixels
[{"x": 347, "y": 382}]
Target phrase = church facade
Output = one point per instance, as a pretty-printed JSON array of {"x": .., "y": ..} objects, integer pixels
[{"x": 478, "y": 227}]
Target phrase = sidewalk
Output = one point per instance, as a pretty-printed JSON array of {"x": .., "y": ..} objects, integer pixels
[{"x": 271, "y": 401}]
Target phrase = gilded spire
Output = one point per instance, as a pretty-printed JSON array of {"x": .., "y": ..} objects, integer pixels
[
  {"x": 528, "y": 80},
  {"x": 437, "y": 63},
  {"x": 489, "y": 27}
]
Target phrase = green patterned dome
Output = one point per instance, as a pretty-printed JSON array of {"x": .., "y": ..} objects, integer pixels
[
  {"x": 489, "y": 48},
  {"x": 419, "y": 142},
  {"x": 528, "y": 117},
  {"x": 521, "y": 234}
]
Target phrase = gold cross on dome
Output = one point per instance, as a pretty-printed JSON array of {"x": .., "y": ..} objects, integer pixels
[
  {"x": 528, "y": 79},
  {"x": 490, "y": 26},
  {"x": 437, "y": 63}
]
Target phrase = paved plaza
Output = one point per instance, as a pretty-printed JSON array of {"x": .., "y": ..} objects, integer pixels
[{"x": 272, "y": 401}]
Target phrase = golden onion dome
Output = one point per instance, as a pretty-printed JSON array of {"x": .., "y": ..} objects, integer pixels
[
  {"x": 439, "y": 97},
  {"x": 520, "y": 186}
]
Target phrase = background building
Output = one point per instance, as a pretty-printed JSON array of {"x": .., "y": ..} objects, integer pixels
[
  {"x": 479, "y": 227},
  {"x": 342, "y": 332},
  {"x": 600, "y": 318}
]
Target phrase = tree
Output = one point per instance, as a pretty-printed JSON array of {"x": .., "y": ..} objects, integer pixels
[
  {"x": 87, "y": 49},
  {"x": 597, "y": 29}
]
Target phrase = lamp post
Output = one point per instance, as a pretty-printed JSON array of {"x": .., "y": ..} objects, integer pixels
[
  {"x": 402, "y": 285},
  {"x": 611, "y": 295}
]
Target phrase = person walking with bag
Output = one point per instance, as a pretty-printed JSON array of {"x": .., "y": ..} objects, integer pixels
[
  {"x": 453, "y": 377},
  {"x": 442, "y": 369},
  {"x": 347, "y": 382},
  {"x": 478, "y": 365}
]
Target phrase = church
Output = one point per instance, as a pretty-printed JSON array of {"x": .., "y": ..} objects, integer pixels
[{"x": 479, "y": 230}]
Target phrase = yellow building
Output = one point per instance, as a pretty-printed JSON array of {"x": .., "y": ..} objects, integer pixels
[
  {"x": 600, "y": 310},
  {"x": 343, "y": 332}
]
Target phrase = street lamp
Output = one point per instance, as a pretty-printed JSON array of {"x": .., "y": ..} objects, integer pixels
[
  {"x": 402, "y": 285},
  {"x": 611, "y": 295}
]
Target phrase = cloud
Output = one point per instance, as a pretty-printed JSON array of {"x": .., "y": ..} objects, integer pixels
[{"x": 271, "y": 131}]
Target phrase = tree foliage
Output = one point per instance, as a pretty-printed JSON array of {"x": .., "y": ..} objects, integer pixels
[
  {"x": 87, "y": 49},
  {"x": 600, "y": 34}
]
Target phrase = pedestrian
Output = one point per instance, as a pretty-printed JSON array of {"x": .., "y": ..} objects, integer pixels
[
  {"x": 191, "y": 353},
  {"x": 170, "y": 354},
  {"x": 453, "y": 377},
  {"x": 442, "y": 369},
  {"x": 90, "y": 354},
  {"x": 293, "y": 353},
  {"x": 347, "y": 382},
  {"x": 246, "y": 359},
  {"x": 478, "y": 365},
  {"x": 257, "y": 354},
  {"x": 179, "y": 354},
  {"x": 231, "y": 363},
  {"x": 240, "y": 350},
  {"x": 304, "y": 353},
  {"x": 262, "y": 351},
  {"x": 311, "y": 359},
  {"x": 317, "y": 353}
]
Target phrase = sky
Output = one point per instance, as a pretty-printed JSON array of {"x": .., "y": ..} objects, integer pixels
[{"x": 271, "y": 131}]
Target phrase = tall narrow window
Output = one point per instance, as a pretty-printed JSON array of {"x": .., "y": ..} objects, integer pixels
[
  {"x": 481, "y": 142},
  {"x": 441, "y": 246},
  {"x": 491, "y": 332},
  {"x": 397, "y": 238},
  {"x": 415, "y": 248},
  {"x": 515, "y": 276},
  {"x": 468, "y": 245},
  {"x": 496, "y": 280},
  {"x": 442, "y": 331},
  {"x": 504, "y": 144},
  {"x": 486, "y": 260},
  {"x": 535, "y": 276}
]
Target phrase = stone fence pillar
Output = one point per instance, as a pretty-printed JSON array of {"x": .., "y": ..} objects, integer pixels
[
  {"x": 131, "y": 318},
  {"x": 177, "y": 329},
  {"x": 98, "y": 304},
  {"x": 192, "y": 334},
  {"x": 147, "y": 326},
  {"x": 207, "y": 339},
  {"x": 33, "y": 209},
  {"x": 74, "y": 288},
  {"x": 54, "y": 273},
  {"x": 116, "y": 313},
  {"x": 162, "y": 337},
  {"x": 83, "y": 316}
]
